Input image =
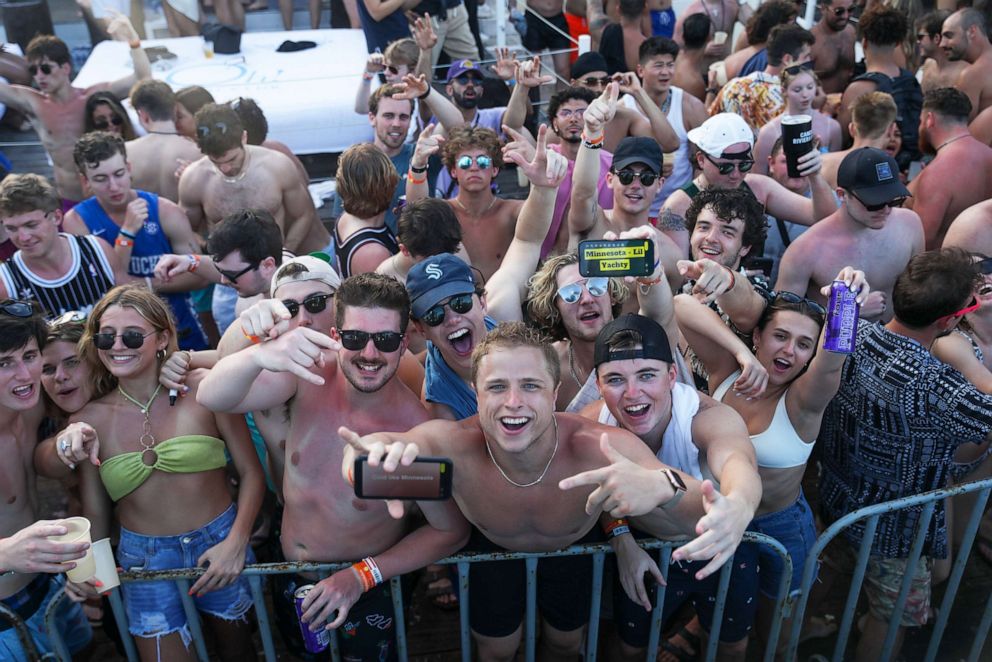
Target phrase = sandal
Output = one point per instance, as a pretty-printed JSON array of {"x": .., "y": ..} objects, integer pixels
[
  {"x": 441, "y": 590},
  {"x": 679, "y": 653}
]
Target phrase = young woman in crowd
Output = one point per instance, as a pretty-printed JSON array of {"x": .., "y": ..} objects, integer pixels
[
  {"x": 188, "y": 101},
  {"x": 105, "y": 113},
  {"x": 163, "y": 466}
]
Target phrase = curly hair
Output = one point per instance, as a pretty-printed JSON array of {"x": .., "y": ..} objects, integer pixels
[
  {"x": 949, "y": 102},
  {"x": 766, "y": 17},
  {"x": 95, "y": 147},
  {"x": 883, "y": 26},
  {"x": 511, "y": 335},
  {"x": 465, "y": 138},
  {"x": 728, "y": 204},
  {"x": 218, "y": 129},
  {"x": 543, "y": 292}
]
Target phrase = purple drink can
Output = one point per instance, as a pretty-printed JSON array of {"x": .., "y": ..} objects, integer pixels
[
  {"x": 842, "y": 319},
  {"x": 314, "y": 642}
]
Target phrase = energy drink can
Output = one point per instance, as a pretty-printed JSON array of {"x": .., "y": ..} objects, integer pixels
[
  {"x": 842, "y": 319},
  {"x": 314, "y": 642}
]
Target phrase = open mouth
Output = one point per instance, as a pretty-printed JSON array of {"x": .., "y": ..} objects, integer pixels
[
  {"x": 589, "y": 316},
  {"x": 513, "y": 423},
  {"x": 24, "y": 392},
  {"x": 633, "y": 197},
  {"x": 781, "y": 365},
  {"x": 368, "y": 367},
  {"x": 985, "y": 290},
  {"x": 461, "y": 341},
  {"x": 120, "y": 359},
  {"x": 637, "y": 411},
  {"x": 709, "y": 250}
]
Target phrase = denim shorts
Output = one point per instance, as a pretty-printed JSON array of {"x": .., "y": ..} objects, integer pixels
[
  {"x": 155, "y": 608},
  {"x": 794, "y": 528},
  {"x": 70, "y": 621}
]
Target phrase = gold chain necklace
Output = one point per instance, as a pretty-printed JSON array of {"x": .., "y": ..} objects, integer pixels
[
  {"x": 473, "y": 214},
  {"x": 146, "y": 427},
  {"x": 546, "y": 467}
]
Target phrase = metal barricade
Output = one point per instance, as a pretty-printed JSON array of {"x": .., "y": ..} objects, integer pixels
[
  {"x": 256, "y": 573},
  {"x": 23, "y": 634},
  {"x": 871, "y": 514}
]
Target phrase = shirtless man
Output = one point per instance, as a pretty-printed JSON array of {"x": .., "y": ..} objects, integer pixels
[
  {"x": 833, "y": 51},
  {"x": 55, "y": 109},
  {"x": 689, "y": 66},
  {"x": 156, "y": 157},
  {"x": 965, "y": 37},
  {"x": 938, "y": 70},
  {"x": 724, "y": 158},
  {"x": 972, "y": 229},
  {"x": 426, "y": 227},
  {"x": 867, "y": 220},
  {"x": 723, "y": 14},
  {"x": 513, "y": 463},
  {"x": 473, "y": 157},
  {"x": 873, "y": 123},
  {"x": 343, "y": 380},
  {"x": 30, "y": 562},
  {"x": 944, "y": 133},
  {"x": 233, "y": 175}
]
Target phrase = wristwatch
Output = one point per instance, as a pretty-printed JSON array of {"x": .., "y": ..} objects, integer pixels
[{"x": 677, "y": 484}]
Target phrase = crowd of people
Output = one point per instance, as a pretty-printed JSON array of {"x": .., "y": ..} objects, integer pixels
[{"x": 199, "y": 360}]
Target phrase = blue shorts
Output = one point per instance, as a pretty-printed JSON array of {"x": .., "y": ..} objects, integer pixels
[
  {"x": 31, "y": 603},
  {"x": 155, "y": 608},
  {"x": 794, "y": 528}
]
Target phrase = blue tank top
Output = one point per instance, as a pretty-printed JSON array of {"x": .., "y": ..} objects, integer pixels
[{"x": 149, "y": 245}]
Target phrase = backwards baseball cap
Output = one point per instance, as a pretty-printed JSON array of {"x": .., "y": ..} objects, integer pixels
[
  {"x": 872, "y": 176},
  {"x": 637, "y": 149},
  {"x": 720, "y": 132},
  {"x": 653, "y": 341},
  {"x": 435, "y": 279},
  {"x": 315, "y": 266},
  {"x": 588, "y": 63},
  {"x": 459, "y": 67}
]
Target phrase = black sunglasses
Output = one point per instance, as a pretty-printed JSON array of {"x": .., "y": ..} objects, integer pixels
[
  {"x": 592, "y": 80},
  {"x": 314, "y": 303},
  {"x": 392, "y": 69},
  {"x": 461, "y": 304},
  {"x": 879, "y": 207},
  {"x": 794, "y": 69},
  {"x": 233, "y": 276},
  {"x": 16, "y": 308},
  {"x": 742, "y": 166},
  {"x": 204, "y": 130},
  {"x": 384, "y": 341},
  {"x": 984, "y": 266},
  {"x": 795, "y": 299},
  {"x": 46, "y": 69},
  {"x": 841, "y": 11},
  {"x": 132, "y": 339},
  {"x": 102, "y": 124},
  {"x": 626, "y": 177},
  {"x": 465, "y": 79}
]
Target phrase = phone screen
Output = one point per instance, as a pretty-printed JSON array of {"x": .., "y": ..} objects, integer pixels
[
  {"x": 623, "y": 257},
  {"x": 425, "y": 479}
]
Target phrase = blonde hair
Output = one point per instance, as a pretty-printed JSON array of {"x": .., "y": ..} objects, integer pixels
[
  {"x": 787, "y": 78},
  {"x": 510, "y": 335},
  {"x": 402, "y": 51},
  {"x": 543, "y": 290}
]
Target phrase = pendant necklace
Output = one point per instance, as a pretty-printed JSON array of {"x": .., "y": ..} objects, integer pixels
[{"x": 147, "y": 439}]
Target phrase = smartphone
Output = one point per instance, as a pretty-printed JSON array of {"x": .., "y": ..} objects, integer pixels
[
  {"x": 427, "y": 479},
  {"x": 623, "y": 257}
]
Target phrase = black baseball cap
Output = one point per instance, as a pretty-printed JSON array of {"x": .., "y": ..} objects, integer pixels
[
  {"x": 654, "y": 341},
  {"x": 872, "y": 176},
  {"x": 638, "y": 149}
]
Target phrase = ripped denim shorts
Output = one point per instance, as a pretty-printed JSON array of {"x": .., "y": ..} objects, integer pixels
[{"x": 155, "y": 609}]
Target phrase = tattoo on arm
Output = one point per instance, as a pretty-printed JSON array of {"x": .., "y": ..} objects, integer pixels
[{"x": 669, "y": 220}]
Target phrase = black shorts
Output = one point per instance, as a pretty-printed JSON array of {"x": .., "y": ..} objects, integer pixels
[
  {"x": 540, "y": 35},
  {"x": 498, "y": 590}
]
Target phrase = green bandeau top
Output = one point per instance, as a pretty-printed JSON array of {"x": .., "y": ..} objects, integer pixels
[{"x": 124, "y": 473}]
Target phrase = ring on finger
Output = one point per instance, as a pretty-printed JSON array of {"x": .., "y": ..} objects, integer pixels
[{"x": 63, "y": 445}]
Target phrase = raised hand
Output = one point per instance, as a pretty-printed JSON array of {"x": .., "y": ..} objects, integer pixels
[
  {"x": 529, "y": 73},
  {"x": 547, "y": 168},
  {"x": 268, "y": 318},
  {"x": 711, "y": 278},
  {"x": 519, "y": 142},
  {"x": 375, "y": 63},
  {"x": 296, "y": 352},
  {"x": 136, "y": 215},
  {"x": 601, "y": 110},
  {"x": 423, "y": 31},
  {"x": 120, "y": 28},
  {"x": 380, "y": 450},
  {"x": 641, "y": 232},
  {"x": 412, "y": 87},
  {"x": 428, "y": 143},
  {"x": 629, "y": 83},
  {"x": 855, "y": 279},
  {"x": 719, "y": 532},
  {"x": 506, "y": 64}
]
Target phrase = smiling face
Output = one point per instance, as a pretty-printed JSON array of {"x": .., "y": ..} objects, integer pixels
[
  {"x": 65, "y": 376},
  {"x": 638, "y": 392},
  {"x": 120, "y": 360},
  {"x": 391, "y": 122},
  {"x": 953, "y": 39},
  {"x": 634, "y": 198},
  {"x": 298, "y": 292},
  {"x": 785, "y": 345},
  {"x": 516, "y": 394},
  {"x": 110, "y": 182},
  {"x": 711, "y": 166},
  {"x": 20, "y": 374},
  {"x": 34, "y": 233},
  {"x": 584, "y": 318},
  {"x": 837, "y": 14},
  {"x": 720, "y": 240},
  {"x": 456, "y": 336},
  {"x": 368, "y": 369}
]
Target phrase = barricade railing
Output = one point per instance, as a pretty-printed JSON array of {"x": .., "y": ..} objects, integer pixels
[
  {"x": 13, "y": 619},
  {"x": 255, "y": 575},
  {"x": 926, "y": 502}
]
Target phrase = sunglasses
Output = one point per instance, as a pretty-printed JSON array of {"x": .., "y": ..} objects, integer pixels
[
  {"x": 879, "y": 207},
  {"x": 743, "y": 166},
  {"x": 16, "y": 308},
  {"x": 461, "y": 304},
  {"x": 626, "y": 177},
  {"x": 468, "y": 79},
  {"x": 796, "y": 300},
  {"x": 592, "y": 81},
  {"x": 314, "y": 303},
  {"x": 132, "y": 339},
  {"x": 465, "y": 162},
  {"x": 394, "y": 70},
  {"x": 841, "y": 11},
  {"x": 795, "y": 69},
  {"x": 205, "y": 130},
  {"x": 46, "y": 69},
  {"x": 970, "y": 308},
  {"x": 984, "y": 266},
  {"x": 233, "y": 276},
  {"x": 384, "y": 341},
  {"x": 572, "y": 292},
  {"x": 102, "y": 124},
  {"x": 567, "y": 113}
]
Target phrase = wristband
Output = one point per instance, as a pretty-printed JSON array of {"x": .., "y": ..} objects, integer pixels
[
  {"x": 646, "y": 282},
  {"x": 417, "y": 170},
  {"x": 130, "y": 235},
  {"x": 367, "y": 76},
  {"x": 368, "y": 573},
  {"x": 410, "y": 179},
  {"x": 121, "y": 241},
  {"x": 134, "y": 43},
  {"x": 254, "y": 340},
  {"x": 733, "y": 279},
  {"x": 593, "y": 141},
  {"x": 194, "y": 262},
  {"x": 617, "y": 527},
  {"x": 425, "y": 94}
]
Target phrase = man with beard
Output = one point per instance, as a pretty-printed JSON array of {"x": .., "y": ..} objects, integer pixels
[
  {"x": 944, "y": 133},
  {"x": 966, "y": 37},
  {"x": 938, "y": 70},
  {"x": 347, "y": 379},
  {"x": 869, "y": 217},
  {"x": 833, "y": 50}
]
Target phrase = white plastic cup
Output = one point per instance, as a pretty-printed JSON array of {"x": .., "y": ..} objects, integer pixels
[
  {"x": 719, "y": 38},
  {"x": 585, "y": 43},
  {"x": 721, "y": 72},
  {"x": 106, "y": 566},
  {"x": 78, "y": 531}
]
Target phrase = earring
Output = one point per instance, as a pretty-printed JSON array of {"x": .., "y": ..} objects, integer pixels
[{"x": 160, "y": 354}]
